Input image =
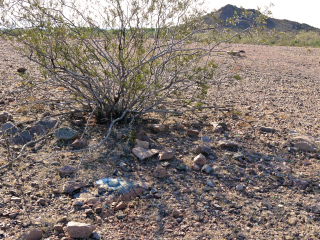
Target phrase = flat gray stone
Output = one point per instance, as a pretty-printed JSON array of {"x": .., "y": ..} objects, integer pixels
[
  {"x": 207, "y": 169},
  {"x": 66, "y": 133},
  {"x": 22, "y": 138},
  {"x": 9, "y": 128},
  {"x": 47, "y": 122},
  {"x": 304, "y": 146}
]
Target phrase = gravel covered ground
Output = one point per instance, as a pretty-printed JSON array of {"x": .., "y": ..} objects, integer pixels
[{"x": 257, "y": 177}]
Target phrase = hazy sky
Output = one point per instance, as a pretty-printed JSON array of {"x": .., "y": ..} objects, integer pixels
[{"x": 302, "y": 11}]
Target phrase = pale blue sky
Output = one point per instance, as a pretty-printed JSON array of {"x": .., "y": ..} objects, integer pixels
[{"x": 302, "y": 11}]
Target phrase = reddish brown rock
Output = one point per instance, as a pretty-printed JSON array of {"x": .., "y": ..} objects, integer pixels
[
  {"x": 193, "y": 132},
  {"x": 227, "y": 144},
  {"x": 79, "y": 143},
  {"x": 65, "y": 170},
  {"x": 79, "y": 230},
  {"x": 200, "y": 160},
  {"x": 33, "y": 234},
  {"x": 195, "y": 167},
  {"x": 160, "y": 172}
]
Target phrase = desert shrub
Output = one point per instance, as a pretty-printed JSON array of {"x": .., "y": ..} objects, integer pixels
[{"x": 116, "y": 56}]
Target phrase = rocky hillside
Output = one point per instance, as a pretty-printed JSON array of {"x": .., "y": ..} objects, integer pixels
[{"x": 271, "y": 23}]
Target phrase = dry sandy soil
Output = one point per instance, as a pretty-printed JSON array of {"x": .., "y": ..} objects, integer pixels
[{"x": 264, "y": 187}]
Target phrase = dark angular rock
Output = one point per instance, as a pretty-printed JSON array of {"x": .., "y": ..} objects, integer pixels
[{"x": 22, "y": 138}]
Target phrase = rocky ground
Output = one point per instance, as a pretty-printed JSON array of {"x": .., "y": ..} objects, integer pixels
[{"x": 248, "y": 170}]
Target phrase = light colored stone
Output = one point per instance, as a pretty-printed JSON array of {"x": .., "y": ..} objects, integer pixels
[
  {"x": 66, "y": 133},
  {"x": 142, "y": 144},
  {"x": 16, "y": 199},
  {"x": 120, "y": 206},
  {"x": 33, "y": 234},
  {"x": 200, "y": 160},
  {"x": 239, "y": 187},
  {"x": 71, "y": 186},
  {"x": 166, "y": 154},
  {"x": 79, "y": 230},
  {"x": 143, "y": 153},
  {"x": 156, "y": 128}
]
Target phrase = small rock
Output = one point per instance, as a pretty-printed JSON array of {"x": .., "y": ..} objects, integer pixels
[
  {"x": 121, "y": 216},
  {"x": 219, "y": 127},
  {"x": 217, "y": 206},
  {"x": 9, "y": 128},
  {"x": 16, "y": 199},
  {"x": 166, "y": 154},
  {"x": 227, "y": 144},
  {"x": 42, "y": 201},
  {"x": 142, "y": 144},
  {"x": 239, "y": 187},
  {"x": 160, "y": 172},
  {"x": 79, "y": 230},
  {"x": 21, "y": 70},
  {"x": 200, "y": 160},
  {"x": 143, "y": 153},
  {"x": 88, "y": 211},
  {"x": 203, "y": 150},
  {"x": 267, "y": 129},
  {"x": 33, "y": 234},
  {"x": 207, "y": 169},
  {"x": 238, "y": 156},
  {"x": 58, "y": 227},
  {"x": 78, "y": 122},
  {"x": 37, "y": 129},
  {"x": 79, "y": 143},
  {"x": 292, "y": 221},
  {"x": 299, "y": 183},
  {"x": 156, "y": 128},
  {"x": 193, "y": 132},
  {"x": 66, "y": 170},
  {"x": 47, "y": 122},
  {"x": 176, "y": 213},
  {"x": 206, "y": 139},
  {"x": 304, "y": 146},
  {"x": 66, "y": 133},
  {"x": 71, "y": 186},
  {"x": 316, "y": 209},
  {"x": 95, "y": 236},
  {"x": 4, "y": 116},
  {"x": 210, "y": 183},
  {"x": 195, "y": 167},
  {"x": 22, "y": 138},
  {"x": 120, "y": 206}
]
